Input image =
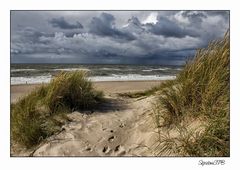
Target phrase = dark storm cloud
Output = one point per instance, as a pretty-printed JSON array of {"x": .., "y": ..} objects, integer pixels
[
  {"x": 113, "y": 37},
  {"x": 32, "y": 35},
  {"x": 223, "y": 14},
  {"x": 63, "y": 24},
  {"x": 194, "y": 17},
  {"x": 168, "y": 28},
  {"x": 104, "y": 25}
]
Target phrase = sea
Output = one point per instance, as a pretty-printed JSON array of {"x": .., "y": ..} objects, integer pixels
[{"x": 43, "y": 73}]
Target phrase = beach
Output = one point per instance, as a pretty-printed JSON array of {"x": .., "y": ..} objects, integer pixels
[{"x": 108, "y": 87}]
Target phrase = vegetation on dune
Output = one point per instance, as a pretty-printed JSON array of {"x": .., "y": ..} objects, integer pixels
[
  {"x": 202, "y": 89},
  {"x": 138, "y": 94},
  {"x": 73, "y": 91},
  {"x": 42, "y": 112}
]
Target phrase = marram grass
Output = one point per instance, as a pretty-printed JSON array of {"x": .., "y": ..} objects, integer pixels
[
  {"x": 202, "y": 89},
  {"x": 42, "y": 112},
  {"x": 73, "y": 91}
]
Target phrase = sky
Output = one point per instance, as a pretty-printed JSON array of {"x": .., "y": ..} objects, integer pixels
[{"x": 113, "y": 37}]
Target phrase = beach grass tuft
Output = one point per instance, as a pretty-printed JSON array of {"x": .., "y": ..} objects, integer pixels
[
  {"x": 202, "y": 89},
  {"x": 71, "y": 91},
  {"x": 42, "y": 112},
  {"x": 138, "y": 94}
]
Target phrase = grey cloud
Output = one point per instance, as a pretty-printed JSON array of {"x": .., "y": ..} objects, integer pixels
[
  {"x": 134, "y": 26},
  {"x": 195, "y": 17},
  {"x": 28, "y": 40},
  {"x": 224, "y": 14},
  {"x": 168, "y": 28},
  {"x": 86, "y": 45},
  {"x": 134, "y": 21},
  {"x": 29, "y": 34},
  {"x": 115, "y": 37},
  {"x": 63, "y": 24},
  {"x": 104, "y": 26}
]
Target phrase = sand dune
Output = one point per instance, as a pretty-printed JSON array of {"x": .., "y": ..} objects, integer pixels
[{"x": 120, "y": 127}]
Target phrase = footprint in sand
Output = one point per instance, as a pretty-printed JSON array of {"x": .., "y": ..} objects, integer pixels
[
  {"x": 88, "y": 149},
  {"x": 122, "y": 125},
  {"x": 106, "y": 149},
  {"x": 120, "y": 150},
  {"x": 111, "y": 138},
  {"x": 117, "y": 148}
]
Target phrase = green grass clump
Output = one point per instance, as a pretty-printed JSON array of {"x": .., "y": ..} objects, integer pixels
[
  {"x": 202, "y": 89},
  {"x": 42, "y": 112},
  {"x": 27, "y": 118},
  {"x": 72, "y": 91}
]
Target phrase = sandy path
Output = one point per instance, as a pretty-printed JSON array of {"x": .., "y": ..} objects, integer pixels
[{"x": 123, "y": 128}]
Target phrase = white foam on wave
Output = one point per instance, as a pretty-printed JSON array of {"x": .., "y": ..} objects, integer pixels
[
  {"x": 105, "y": 68},
  {"x": 179, "y": 69},
  {"x": 130, "y": 77},
  {"x": 31, "y": 80},
  {"x": 114, "y": 77},
  {"x": 161, "y": 69},
  {"x": 18, "y": 70}
]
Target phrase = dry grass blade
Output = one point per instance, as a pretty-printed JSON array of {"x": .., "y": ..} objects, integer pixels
[{"x": 201, "y": 90}]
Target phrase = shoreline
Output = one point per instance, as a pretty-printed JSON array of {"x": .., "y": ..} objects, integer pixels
[
  {"x": 97, "y": 82},
  {"x": 108, "y": 87}
]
